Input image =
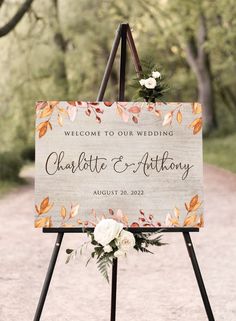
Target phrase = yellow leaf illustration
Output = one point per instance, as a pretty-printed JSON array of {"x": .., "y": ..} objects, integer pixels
[
  {"x": 74, "y": 211},
  {"x": 179, "y": 117},
  {"x": 63, "y": 111},
  {"x": 60, "y": 120},
  {"x": 119, "y": 110},
  {"x": 47, "y": 111},
  {"x": 63, "y": 212},
  {"x": 177, "y": 212},
  {"x": 43, "y": 222},
  {"x": 197, "y": 108}
]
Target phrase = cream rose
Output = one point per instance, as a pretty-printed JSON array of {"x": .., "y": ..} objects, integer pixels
[
  {"x": 142, "y": 82},
  {"x": 106, "y": 231},
  {"x": 150, "y": 83},
  {"x": 156, "y": 74},
  {"x": 125, "y": 241}
]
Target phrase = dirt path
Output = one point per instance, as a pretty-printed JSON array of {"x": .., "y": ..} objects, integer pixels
[{"x": 159, "y": 287}]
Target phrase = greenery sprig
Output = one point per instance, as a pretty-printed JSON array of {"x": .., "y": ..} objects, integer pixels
[
  {"x": 111, "y": 240},
  {"x": 151, "y": 84}
]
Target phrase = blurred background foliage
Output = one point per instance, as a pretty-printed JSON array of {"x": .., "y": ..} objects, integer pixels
[{"x": 57, "y": 49}]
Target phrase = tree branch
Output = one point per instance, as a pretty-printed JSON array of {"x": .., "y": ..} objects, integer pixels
[{"x": 11, "y": 24}]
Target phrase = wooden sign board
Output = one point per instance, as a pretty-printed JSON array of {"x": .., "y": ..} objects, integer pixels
[{"x": 139, "y": 163}]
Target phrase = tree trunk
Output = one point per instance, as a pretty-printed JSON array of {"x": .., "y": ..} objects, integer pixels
[
  {"x": 199, "y": 61},
  {"x": 206, "y": 97},
  {"x": 60, "y": 71}
]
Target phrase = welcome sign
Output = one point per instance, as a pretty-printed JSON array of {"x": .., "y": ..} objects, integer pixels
[{"x": 139, "y": 163}]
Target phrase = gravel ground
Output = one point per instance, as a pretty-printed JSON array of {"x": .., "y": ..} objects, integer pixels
[{"x": 159, "y": 287}]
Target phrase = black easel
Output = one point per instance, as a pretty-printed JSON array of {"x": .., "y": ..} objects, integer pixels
[{"x": 124, "y": 36}]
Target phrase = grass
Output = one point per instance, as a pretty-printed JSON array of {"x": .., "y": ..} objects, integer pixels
[{"x": 221, "y": 151}]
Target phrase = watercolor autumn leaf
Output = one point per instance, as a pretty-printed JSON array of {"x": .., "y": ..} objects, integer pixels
[
  {"x": 44, "y": 207},
  {"x": 192, "y": 217}
]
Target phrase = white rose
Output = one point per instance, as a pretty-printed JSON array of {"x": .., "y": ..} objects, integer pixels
[
  {"x": 142, "y": 82},
  {"x": 106, "y": 231},
  {"x": 119, "y": 253},
  {"x": 107, "y": 249},
  {"x": 156, "y": 74},
  {"x": 125, "y": 241},
  {"x": 150, "y": 83}
]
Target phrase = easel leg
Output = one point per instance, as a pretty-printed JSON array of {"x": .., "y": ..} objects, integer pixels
[
  {"x": 113, "y": 289},
  {"x": 48, "y": 276},
  {"x": 198, "y": 275}
]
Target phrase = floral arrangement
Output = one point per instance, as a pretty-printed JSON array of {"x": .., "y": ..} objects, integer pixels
[
  {"x": 110, "y": 240},
  {"x": 150, "y": 85}
]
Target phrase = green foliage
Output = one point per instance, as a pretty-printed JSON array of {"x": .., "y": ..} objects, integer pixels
[
  {"x": 143, "y": 240},
  {"x": 62, "y": 55},
  {"x": 28, "y": 153},
  {"x": 10, "y": 166},
  {"x": 221, "y": 151},
  {"x": 105, "y": 259},
  {"x": 150, "y": 95}
]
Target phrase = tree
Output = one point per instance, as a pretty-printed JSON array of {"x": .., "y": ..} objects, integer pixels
[{"x": 12, "y": 23}]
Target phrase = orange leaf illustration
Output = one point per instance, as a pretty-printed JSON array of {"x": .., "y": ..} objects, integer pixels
[
  {"x": 44, "y": 203},
  {"x": 43, "y": 130},
  {"x": 179, "y": 117},
  {"x": 197, "y": 127},
  {"x": 108, "y": 103},
  {"x": 73, "y": 103},
  {"x": 193, "y": 201},
  {"x": 193, "y": 123},
  {"x": 190, "y": 220},
  {"x": 44, "y": 206},
  {"x": 134, "y": 224}
]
